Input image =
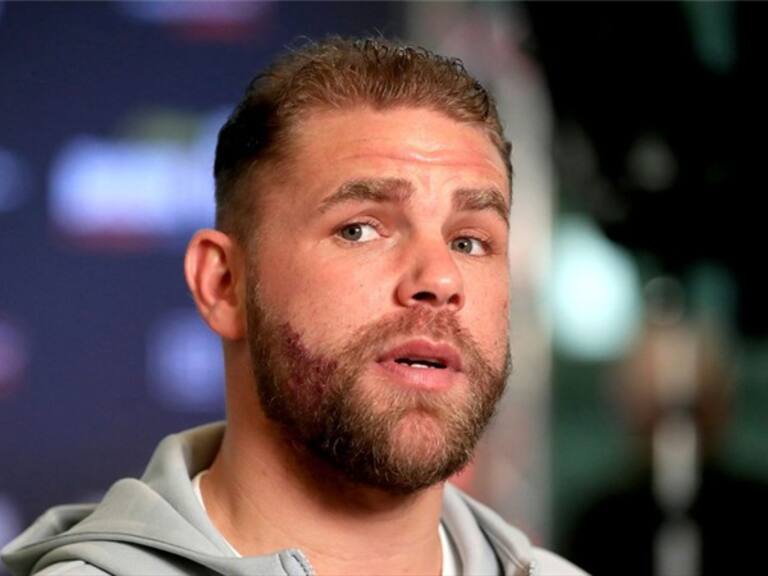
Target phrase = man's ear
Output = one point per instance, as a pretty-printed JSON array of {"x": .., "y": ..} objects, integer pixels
[{"x": 215, "y": 273}]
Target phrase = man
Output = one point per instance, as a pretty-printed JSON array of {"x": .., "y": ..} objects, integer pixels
[{"x": 358, "y": 278}]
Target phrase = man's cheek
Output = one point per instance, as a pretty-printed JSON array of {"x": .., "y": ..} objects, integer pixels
[
  {"x": 489, "y": 325},
  {"x": 352, "y": 289}
]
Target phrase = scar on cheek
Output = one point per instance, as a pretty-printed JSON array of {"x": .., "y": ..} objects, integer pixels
[{"x": 309, "y": 373}]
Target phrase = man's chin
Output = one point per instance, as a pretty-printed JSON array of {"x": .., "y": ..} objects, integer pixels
[
  {"x": 420, "y": 440},
  {"x": 415, "y": 452}
]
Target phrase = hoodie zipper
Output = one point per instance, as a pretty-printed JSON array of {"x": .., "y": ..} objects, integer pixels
[{"x": 532, "y": 568}]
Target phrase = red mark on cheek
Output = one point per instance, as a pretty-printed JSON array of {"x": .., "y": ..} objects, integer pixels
[{"x": 309, "y": 375}]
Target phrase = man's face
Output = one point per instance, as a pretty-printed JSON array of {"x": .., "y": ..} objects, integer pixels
[{"x": 377, "y": 293}]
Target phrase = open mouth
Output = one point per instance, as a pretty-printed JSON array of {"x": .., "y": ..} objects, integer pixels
[
  {"x": 423, "y": 364},
  {"x": 424, "y": 355}
]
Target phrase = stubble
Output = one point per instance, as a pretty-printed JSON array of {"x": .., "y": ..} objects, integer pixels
[{"x": 374, "y": 433}]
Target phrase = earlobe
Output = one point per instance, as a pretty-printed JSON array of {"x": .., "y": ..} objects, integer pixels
[{"x": 213, "y": 268}]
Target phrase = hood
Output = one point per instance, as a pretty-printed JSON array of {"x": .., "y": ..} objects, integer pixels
[{"x": 156, "y": 525}]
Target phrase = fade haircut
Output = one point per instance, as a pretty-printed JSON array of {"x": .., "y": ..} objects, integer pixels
[{"x": 335, "y": 74}]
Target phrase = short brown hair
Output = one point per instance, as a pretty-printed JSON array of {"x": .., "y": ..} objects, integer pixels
[{"x": 336, "y": 73}]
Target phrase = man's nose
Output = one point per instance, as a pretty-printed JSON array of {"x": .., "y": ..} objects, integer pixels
[{"x": 431, "y": 276}]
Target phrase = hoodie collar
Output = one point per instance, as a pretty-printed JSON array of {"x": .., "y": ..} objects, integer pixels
[{"x": 161, "y": 512}]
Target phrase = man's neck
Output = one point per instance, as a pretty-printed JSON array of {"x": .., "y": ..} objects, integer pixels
[{"x": 264, "y": 495}]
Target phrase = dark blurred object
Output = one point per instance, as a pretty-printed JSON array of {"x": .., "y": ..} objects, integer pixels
[
  {"x": 680, "y": 513},
  {"x": 616, "y": 535},
  {"x": 662, "y": 114}
]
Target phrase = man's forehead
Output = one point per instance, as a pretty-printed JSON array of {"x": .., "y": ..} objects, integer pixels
[{"x": 409, "y": 134}]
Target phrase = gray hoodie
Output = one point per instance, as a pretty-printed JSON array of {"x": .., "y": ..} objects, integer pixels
[{"x": 156, "y": 526}]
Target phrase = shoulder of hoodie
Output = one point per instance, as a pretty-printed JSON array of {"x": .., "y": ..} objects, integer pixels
[
  {"x": 71, "y": 568},
  {"x": 547, "y": 563},
  {"x": 550, "y": 564}
]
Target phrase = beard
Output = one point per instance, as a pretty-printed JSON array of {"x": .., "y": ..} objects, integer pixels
[{"x": 373, "y": 432}]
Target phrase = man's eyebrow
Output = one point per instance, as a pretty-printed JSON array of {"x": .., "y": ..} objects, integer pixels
[
  {"x": 370, "y": 190},
  {"x": 481, "y": 199}
]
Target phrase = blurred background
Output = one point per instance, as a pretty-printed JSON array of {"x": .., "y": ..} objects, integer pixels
[{"x": 633, "y": 433}]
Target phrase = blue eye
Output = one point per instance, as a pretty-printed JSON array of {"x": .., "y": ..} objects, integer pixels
[
  {"x": 358, "y": 232},
  {"x": 469, "y": 245}
]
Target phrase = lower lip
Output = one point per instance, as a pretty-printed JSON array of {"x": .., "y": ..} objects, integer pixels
[{"x": 423, "y": 378}]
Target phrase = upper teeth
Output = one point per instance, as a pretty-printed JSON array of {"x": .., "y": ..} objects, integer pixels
[{"x": 422, "y": 363}]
